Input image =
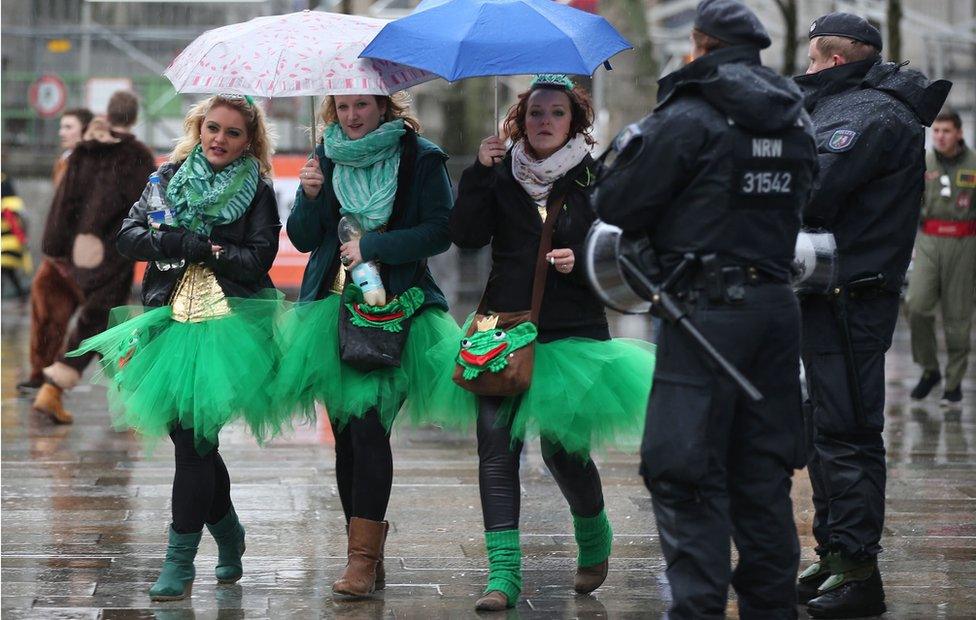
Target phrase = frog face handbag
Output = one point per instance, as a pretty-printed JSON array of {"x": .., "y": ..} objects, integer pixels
[{"x": 497, "y": 352}]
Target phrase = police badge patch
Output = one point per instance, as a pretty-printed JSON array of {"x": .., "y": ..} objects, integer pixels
[{"x": 841, "y": 140}]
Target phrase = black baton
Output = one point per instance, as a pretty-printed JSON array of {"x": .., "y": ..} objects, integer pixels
[{"x": 839, "y": 306}]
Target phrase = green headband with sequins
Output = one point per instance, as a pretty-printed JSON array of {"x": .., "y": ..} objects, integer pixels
[
  {"x": 236, "y": 97},
  {"x": 553, "y": 79}
]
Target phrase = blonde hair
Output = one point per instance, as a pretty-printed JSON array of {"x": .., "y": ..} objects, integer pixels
[
  {"x": 259, "y": 134},
  {"x": 848, "y": 49},
  {"x": 397, "y": 106}
]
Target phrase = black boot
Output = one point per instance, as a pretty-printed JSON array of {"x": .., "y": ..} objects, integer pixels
[
  {"x": 952, "y": 398},
  {"x": 930, "y": 379},
  {"x": 853, "y": 593},
  {"x": 811, "y": 579}
]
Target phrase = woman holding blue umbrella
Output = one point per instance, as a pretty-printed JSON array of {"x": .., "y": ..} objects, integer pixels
[
  {"x": 587, "y": 390},
  {"x": 374, "y": 204}
]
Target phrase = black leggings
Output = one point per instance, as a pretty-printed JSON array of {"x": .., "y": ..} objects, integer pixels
[
  {"x": 201, "y": 486},
  {"x": 498, "y": 472},
  {"x": 364, "y": 467}
]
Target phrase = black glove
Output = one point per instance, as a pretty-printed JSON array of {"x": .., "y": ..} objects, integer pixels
[{"x": 192, "y": 246}]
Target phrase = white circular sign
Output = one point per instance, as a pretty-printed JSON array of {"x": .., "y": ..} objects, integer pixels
[{"x": 48, "y": 96}]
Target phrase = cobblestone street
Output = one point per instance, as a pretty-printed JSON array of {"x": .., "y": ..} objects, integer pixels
[{"x": 85, "y": 511}]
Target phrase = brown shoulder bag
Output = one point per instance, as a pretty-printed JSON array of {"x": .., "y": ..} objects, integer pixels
[{"x": 497, "y": 352}]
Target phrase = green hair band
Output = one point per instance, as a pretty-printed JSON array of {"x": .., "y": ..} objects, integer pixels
[
  {"x": 553, "y": 79},
  {"x": 236, "y": 96}
]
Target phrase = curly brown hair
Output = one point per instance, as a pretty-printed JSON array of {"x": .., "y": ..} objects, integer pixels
[
  {"x": 580, "y": 108},
  {"x": 397, "y": 106}
]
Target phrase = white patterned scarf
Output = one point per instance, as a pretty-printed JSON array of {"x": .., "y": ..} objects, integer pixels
[{"x": 536, "y": 176}]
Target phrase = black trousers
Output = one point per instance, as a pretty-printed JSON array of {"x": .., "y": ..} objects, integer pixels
[
  {"x": 201, "y": 485},
  {"x": 498, "y": 472},
  {"x": 364, "y": 467},
  {"x": 847, "y": 459},
  {"x": 719, "y": 466}
]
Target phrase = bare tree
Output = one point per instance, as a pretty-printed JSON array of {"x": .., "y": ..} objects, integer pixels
[
  {"x": 788, "y": 9},
  {"x": 895, "y": 15}
]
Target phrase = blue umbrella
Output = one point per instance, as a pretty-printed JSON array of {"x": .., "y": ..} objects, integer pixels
[{"x": 459, "y": 39}]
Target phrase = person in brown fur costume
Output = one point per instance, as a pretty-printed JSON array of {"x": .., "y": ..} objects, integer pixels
[
  {"x": 106, "y": 174},
  {"x": 54, "y": 297}
]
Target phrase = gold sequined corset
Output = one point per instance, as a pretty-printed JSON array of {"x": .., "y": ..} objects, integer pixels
[{"x": 198, "y": 296}]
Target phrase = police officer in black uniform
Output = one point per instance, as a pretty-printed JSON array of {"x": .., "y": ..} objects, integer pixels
[
  {"x": 869, "y": 117},
  {"x": 719, "y": 173}
]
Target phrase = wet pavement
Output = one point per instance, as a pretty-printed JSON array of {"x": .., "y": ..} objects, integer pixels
[{"x": 85, "y": 511}]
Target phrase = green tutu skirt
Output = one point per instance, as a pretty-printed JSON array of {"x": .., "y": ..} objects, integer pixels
[
  {"x": 311, "y": 369},
  {"x": 585, "y": 394},
  {"x": 203, "y": 375}
]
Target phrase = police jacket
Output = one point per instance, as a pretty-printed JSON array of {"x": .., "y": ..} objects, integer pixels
[
  {"x": 723, "y": 165},
  {"x": 493, "y": 208},
  {"x": 249, "y": 245},
  {"x": 869, "y": 118}
]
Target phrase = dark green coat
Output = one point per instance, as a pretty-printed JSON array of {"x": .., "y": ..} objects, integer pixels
[{"x": 418, "y": 227}]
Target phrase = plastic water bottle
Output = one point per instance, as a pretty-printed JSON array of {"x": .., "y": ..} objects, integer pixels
[
  {"x": 366, "y": 274},
  {"x": 160, "y": 213}
]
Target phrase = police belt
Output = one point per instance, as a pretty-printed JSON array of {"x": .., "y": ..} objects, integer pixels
[
  {"x": 724, "y": 283},
  {"x": 949, "y": 228}
]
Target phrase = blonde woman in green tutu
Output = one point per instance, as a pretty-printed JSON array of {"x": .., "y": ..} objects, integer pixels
[
  {"x": 201, "y": 352},
  {"x": 587, "y": 389},
  {"x": 369, "y": 309}
]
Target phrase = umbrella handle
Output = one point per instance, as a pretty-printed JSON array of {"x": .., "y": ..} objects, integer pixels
[
  {"x": 311, "y": 130},
  {"x": 497, "y": 130}
]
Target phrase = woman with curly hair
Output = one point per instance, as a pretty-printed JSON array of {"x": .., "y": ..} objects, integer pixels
[
  {"x": 202, "y": 352},
  {"x": 587, "y": 390},
  {"x": 374, "y": 170}
]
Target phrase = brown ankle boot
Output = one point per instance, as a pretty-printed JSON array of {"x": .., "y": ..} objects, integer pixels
[
  {"x": 380, "y": 566},
  {"x": 492, "y": 601},
  {"x": 365, "y": 544},
  {"x": 48, "y": 402},
  {"x": 589, "y": 578}
]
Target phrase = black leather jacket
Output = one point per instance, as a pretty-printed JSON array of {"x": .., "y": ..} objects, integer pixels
[{"x": 249, "y": 246}]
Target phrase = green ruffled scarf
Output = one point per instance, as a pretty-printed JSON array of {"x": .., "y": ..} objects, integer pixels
[
  {"x": 365, "y": 175},
  {"x": 202, "y": 199}
]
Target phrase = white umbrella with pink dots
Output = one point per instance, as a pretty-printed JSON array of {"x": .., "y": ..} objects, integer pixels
[{"x": 307, "y": 53}]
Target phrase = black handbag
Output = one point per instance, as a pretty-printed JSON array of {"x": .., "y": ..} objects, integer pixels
[{"x": 373, "y": 338}]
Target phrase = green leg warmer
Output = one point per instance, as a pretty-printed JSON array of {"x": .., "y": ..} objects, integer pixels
[
  {"x": 177, "y": 575},
  {"x": 593, "y": 537},
  {"x": 229, "y": 534},
  {"x": 504, "y": 563}
]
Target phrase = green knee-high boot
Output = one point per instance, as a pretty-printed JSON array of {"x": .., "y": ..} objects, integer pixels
[
  {"x": 504, "y": 571},
  {"x": 594, "y": 536},
  {"x": 229, "y": 534},
  {"x": 176, "y": 579}
]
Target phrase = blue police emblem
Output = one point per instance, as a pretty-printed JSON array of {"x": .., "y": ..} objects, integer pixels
[{"x": 841, "y": 140}]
